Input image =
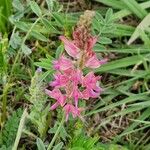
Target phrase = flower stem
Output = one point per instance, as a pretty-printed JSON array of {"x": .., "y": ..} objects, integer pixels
[{"x": 57, "y": 132}]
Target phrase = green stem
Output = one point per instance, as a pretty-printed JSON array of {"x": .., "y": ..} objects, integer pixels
[
  {"x": 57, "y": 132},
  {"x": 4, "y": 97},
  {"x": 19, "y": 54}
]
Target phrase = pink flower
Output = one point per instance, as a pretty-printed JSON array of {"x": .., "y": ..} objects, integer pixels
[
  {"x": 58, "y": 96},
  {"x": 93, "y": 62},
  {"x": 90, "y": 80},
  {"x": 69, "y": 108},
  {"x": 76, "y": 76},
  {"x": 70, "y": 47},
  {"x": 63, "y": 63},
  {"x": 60, "y": 80},
  {"x": 92, "y": 88},
  {"x": 76, "y": 94},
  {"x": 90, "y": 44},
  {"x": 75, "y": 52},
  {"x": 90, "y": 93}
]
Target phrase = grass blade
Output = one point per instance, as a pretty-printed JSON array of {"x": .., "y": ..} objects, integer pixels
[
  {"x": 142, "y": 26},
  {"x": 134, "y": 7},
  {"x": 124, "y": 62}
]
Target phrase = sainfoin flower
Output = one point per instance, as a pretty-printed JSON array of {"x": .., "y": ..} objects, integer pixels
[{"x": 70, "y": 84}]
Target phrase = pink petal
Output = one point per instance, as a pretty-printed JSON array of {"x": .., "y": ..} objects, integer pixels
[
  {"x": 57, "y": 95},
  {"x": 67, "y": 116},
  {"x": 60, "y": 80},
  {"x": 91, "y": 42},
  {"x": 63, "y": 63},
  {"x": 76, "y": 112},
  {"x": 85, "y": 94},
  {"x": 90, "y": 80},
  {"x": 76, "y": 76},
  {"x": 48, "y": 92},
  {"x": 67, "y": 111},
  {"x": 93, "y": 94},
  {"x": 69, "y": 108},
  {"x": 103, "y": 61},
  {"x": 93, "y": 62},
  {"x": 54, "y": 106},
  {"x": 76, "y": 95},
  {"x": 70, "y": 47}
]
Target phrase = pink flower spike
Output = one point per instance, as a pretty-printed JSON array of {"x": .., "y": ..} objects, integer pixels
[
  {"x": 70, "y": 47},
  {"x": 63, "y": 63}
]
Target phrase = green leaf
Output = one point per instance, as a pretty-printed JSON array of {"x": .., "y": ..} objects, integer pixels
[
  {"x": 59, "y": 51},
  {"x": 145, "y": 23},
  {"x": 22, "y": 25},
  {"x": 10, "y": 129},
  {"x": 48, "y": 25},
  {"x": 59, "y": 19},
  {"x": 112, "y": 3},
  {"x": 134, "y": 7},
  {"x": 123, "y": 30},
  {"x": 35, "y": 8},
  {"x": 132, "y": 98},
  {"x": 40, "y": 144},
  {"x": 50, "y": 4},
  {"x": 18, "y": 5},
  {"x": 105, "y": 40},
  {"x": 15, "y": 40},
  {"x": 26, "y": 50},
  {"x": 109, "y": 15},
  {"x": 25, "y": 27},
  {"x": 39, "y": 36},
  {"x": 63, "y": 134},
  {"x": 125, "y": 12},
  {"x": 58, "y": 146},
  {"x": 5, "y": 12},
  {"x": 45, "y": 63},
  {"x": 124, "y": 62}
]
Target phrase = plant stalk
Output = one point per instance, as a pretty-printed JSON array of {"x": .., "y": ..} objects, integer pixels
[{"x": 57, "y": 132}]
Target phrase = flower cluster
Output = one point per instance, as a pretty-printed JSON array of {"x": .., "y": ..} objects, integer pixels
[{"x": 70, "y": 84}]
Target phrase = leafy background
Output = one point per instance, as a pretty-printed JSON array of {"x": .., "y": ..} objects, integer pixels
[{"x": 29, "y": 32}]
